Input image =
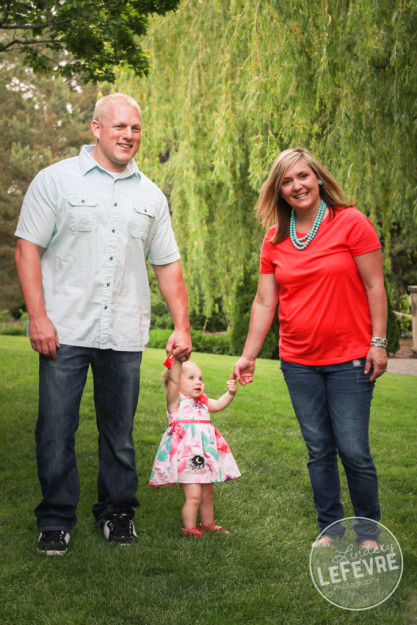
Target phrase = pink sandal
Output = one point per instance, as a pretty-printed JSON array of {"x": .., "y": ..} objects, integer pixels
[
  {"x": 193, "y": 532},
  {"x": 212, "y": 527}
]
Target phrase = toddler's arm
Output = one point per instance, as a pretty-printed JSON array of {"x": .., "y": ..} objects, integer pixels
[
  {"x": 216, "y": 405},
  {"x": 173, "y": 388}
]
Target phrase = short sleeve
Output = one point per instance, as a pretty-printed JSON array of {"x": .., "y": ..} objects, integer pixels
[
  {"x": 161, "y": 246},
  {"x": 203, "y": 399},
  {"x": 38, "y": 215},
  {"x": 266, "y": 264},
  {"x": 362, "y": 237}
]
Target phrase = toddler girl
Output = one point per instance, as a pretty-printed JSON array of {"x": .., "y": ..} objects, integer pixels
[{"x": 192, "y": 452}]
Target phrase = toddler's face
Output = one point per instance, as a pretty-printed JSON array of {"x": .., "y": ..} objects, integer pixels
[{"x": 191, "y": 383}]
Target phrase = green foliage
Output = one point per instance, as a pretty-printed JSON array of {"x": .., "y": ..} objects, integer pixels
[
  {"x": 393, "y": 328},
  {"x": 206, "y": 343},
  {"x": 42, "y": 120},
  {"x": 12, "y": 330},
  {"x": 242, "y": 303},
  {"x": 403, "y": 264},
  {"x": 234, "y": 83},
  {"x": 97, "y": 35},
  {"x": 161, "y": 317},
  {"x": 405, "y": 319}
]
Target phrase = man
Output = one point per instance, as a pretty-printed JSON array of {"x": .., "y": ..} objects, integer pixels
[{"x": 86, "y": 226}]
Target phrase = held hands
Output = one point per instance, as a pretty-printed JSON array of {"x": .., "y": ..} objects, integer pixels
[
  {"x": 377, "y": 357},
  {"x": 232, "y": 386},
  {"x": 243, "y": 370},
  {"x": 43, "y": 336},
  {"x": 179, "y": 345}
]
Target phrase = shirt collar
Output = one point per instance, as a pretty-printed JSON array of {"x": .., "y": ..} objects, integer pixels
[{"x": 87, "y": 163}]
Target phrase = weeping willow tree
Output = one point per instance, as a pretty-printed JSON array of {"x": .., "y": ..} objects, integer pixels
[{"x": 234, "y": 82}]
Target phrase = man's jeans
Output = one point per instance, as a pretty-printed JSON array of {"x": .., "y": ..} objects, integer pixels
[
  {"x": 116, "y": 391},
  {"x": 332, "y": 405}
]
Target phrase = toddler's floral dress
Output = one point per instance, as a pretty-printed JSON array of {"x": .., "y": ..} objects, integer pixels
[{"x": 192, "y": 450}]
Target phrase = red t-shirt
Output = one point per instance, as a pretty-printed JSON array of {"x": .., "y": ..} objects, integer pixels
[{"x": 323, "y": 308}]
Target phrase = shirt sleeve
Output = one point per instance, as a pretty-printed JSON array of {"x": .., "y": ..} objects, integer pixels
[
  {"x": 161, "y": 247},
  {"x": 362, "y": 237},
  {"x": 38, "y": 215},
  {"x": 203, "y": 399},
  {"x": 266, "y": 264}
]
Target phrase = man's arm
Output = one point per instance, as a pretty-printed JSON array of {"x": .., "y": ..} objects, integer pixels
[
  {"x": 42, "y": 332},
  {"x": 173, "y": 290}
]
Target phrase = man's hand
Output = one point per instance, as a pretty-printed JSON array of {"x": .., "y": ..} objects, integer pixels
[
  {"x": 243, "y": 370},
  {"x": 43, "y": 336},
  {"x": 179, "y": 345}
]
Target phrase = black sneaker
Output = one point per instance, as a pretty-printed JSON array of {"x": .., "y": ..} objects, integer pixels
[
  {"x": 53, "y": 542},
  {"x": 119, "y": 528}
]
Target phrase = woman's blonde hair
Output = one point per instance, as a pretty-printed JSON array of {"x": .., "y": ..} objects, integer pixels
[{"x": 273, "y": 209}]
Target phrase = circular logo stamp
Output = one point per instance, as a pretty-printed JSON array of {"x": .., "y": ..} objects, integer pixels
[{"x": 350, "y": 576}]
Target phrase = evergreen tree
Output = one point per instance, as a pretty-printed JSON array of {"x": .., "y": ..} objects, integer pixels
[{"x": 42, "y": 120}]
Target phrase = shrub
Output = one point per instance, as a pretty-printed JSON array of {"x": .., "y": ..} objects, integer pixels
[
  {"x": 393, "y": 327},
  {"x": 12, "y": 330},
  {"x": 209, "y": 343}
]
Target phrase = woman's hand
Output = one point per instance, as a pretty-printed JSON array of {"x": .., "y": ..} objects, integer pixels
[
  {"x": 377, "y": 357},
  {"x": 243, "y": 370}
]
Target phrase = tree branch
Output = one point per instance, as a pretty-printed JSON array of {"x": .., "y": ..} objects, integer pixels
[
  {"x": 38, "y": 26},
  {"x": 16, "y": 43}
]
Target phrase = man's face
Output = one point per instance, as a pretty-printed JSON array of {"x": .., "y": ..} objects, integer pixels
[{"x": 118, "y": 136}]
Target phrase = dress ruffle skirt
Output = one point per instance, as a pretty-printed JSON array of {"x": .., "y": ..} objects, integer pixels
[{"x": 192, "y": 450}]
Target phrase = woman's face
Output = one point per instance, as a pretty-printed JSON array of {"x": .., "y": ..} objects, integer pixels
[{"x": 300, "y": 188}]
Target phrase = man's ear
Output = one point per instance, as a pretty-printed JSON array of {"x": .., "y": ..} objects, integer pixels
[{"x": 95, "y": 127}]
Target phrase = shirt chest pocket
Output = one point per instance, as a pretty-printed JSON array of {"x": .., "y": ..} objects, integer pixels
[
  {"x": 141, "y": 223},
  {"x": 82, "y": 213}
]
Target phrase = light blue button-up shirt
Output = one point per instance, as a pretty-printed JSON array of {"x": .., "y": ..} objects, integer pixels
[{"x": 97, "y": 231}]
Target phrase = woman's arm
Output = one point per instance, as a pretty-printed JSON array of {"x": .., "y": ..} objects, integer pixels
[
  {"x": 262, "y": 314},
  {"x": 370, "y": 267}
]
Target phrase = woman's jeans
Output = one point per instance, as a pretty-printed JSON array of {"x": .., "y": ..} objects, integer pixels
[
  {"x": 332, "y": 404},
  {"x": 116, "y": 391}
]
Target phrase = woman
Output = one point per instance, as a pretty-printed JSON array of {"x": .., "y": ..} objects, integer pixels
[{"x": 322, "y": 261}]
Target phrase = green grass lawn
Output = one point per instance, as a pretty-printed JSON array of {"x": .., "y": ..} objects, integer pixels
[{"x": 257, "y": 575}]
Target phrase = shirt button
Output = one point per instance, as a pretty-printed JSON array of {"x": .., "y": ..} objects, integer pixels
[
  {"x": 111, "y": 257},
  {"x": 115, "y": 204},
  {"x": 113, "y": 230},
  {"x": 105, "y": 308},
  {"x": 108, "y": 283}
]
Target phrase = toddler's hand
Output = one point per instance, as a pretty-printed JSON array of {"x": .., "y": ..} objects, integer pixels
[{"x": 232, "y": 386}]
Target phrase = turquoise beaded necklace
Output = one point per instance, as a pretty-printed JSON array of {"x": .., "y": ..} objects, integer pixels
[{"x": 301, "y": 244}]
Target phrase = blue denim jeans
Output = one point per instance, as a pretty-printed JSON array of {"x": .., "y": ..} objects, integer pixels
[
  {"x": 332, "y": 404},
  {"x": 116, "y": 377}
]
